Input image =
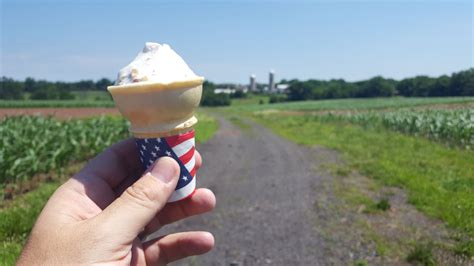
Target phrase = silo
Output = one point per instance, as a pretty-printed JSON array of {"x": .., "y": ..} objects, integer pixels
[
  {"x": 253, "y": 85},
  {"x": 271, "y": 82}
]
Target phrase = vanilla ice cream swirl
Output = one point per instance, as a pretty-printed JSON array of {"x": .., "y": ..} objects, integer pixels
[{"x": 156, "y": 63}]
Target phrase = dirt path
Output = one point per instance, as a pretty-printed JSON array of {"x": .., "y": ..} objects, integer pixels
[
  {"x": 266, "y": 190},
  {"x": 276, "y": 205}
]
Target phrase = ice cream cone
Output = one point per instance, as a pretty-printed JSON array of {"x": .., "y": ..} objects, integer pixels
[{"x": 161, "y": 118}]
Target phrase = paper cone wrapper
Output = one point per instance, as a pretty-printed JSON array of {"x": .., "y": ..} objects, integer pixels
[
  {"x": 161, "y": 118},
  {"x": 179, "y": 147}
]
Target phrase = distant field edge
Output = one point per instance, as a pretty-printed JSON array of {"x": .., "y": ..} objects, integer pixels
[
  {"x": 54, "y": 104},
  {"x": 357, "y": 103}
]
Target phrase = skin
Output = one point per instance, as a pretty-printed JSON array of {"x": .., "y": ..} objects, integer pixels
[{"x": 100, "y": 215}]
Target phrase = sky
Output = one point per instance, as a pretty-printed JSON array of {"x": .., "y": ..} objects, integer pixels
[{"x": 226, "y": 41}]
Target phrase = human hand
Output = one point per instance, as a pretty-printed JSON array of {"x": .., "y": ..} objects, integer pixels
[{"x": 99, "y": 215}]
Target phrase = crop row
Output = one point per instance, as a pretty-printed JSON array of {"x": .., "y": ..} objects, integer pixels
[
  {"x": 450, "y": 126},
  {"x": 31, "y": 145}
]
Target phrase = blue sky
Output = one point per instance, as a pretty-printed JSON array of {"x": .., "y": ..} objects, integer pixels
[{"x": 226, "y": 41}]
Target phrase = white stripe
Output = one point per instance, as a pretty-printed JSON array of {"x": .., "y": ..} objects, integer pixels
[
  {"x": 190, "y": 164},
  {"x": 183, "y": 192},
  {"x": 183, "y": 147}
]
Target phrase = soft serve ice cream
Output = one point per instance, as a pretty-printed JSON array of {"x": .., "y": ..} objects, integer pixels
[
  {"x": 156, "y": 63},
  {"x": 159, "y": 94}
]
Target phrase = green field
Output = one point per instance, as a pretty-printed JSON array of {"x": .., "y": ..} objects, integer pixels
[
  {"x": 353, "y": 104},
  {"x": 252, "y": 99}
]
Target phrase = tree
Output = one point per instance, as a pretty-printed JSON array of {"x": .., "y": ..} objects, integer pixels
[
  {"x": 440, "y": 86},
  {"x": 406, "y": 87},
  {"x": 10, "y": 89},
  {"x": 103, "y": 83},
  {"x": 30, "y": 84},
  {"x": 462, "y": 83},
  {"x": 209, "y": 98},
  {"x": 422, "y": 86},
  {"x": 85, "y": 85},
  {"x": 47, "y": 90},
  {"x": 238, "y": 94},
  {"x": 299, "y": 91},
  {"x": 377, "y": 87}
]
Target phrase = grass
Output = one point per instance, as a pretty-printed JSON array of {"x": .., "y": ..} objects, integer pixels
[
  {"x": 358, "y": 198},
  {"x": 18, "y": 219},
  {"x": 361, "y": 262},
  {"x": 439, "y": 180},
  {"x": 92, "y": 95},
  {"x": 252, "y": 99},
  {"x": 239, "y": 123},
  {"x": 422, "y": 254},
  {"x": 18, "y": 215},
  {"x": 205, "y": 128},
  {"x": 382, "y": 205},
  {"x": 352, "y": 104}
]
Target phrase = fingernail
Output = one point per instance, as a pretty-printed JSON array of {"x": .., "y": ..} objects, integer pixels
[{"x": 164, "y": 169}]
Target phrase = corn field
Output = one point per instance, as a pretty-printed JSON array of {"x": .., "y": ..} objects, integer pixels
[
  {"x": 31, "y": 145},
  {"x": 450, "y": 126}
]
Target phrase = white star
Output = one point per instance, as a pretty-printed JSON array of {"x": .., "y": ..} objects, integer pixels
[
  {"x": 185, "y": 178},
  {"x": 146, "y": 140},
  {"x": 150, "y": 161},
  {"x": 141, "y": 159},
  {"x": 153, "y": 153},
  {"x": 159, "y": 140},
  {"x": 141, "y": 152},
  {"x": 157, "y": 148},
  {"x": 168, "y": 153},
  {"x": 143, "y": 147}
]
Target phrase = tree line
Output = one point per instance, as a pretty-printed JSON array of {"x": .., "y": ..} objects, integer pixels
[
  {"x": 30, "y": 88},
  {"x": 11, "y": 89},
  {"x": 458, "y": 84}
]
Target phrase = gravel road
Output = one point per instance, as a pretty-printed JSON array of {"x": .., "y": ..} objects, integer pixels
[{"x": 266, "y": 189}]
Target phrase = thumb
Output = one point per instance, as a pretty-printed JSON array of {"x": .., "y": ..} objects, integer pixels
[{"x": 139, "y": 204}]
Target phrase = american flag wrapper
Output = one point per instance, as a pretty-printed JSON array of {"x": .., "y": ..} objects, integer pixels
[{"x": 179, "y": 147}]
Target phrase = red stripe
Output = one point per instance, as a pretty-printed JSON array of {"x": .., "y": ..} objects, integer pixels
[
  {"x": 187, "y": 156},
  {"x": 193, "y": 172},
  {"x": 177, "y": 139}
]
